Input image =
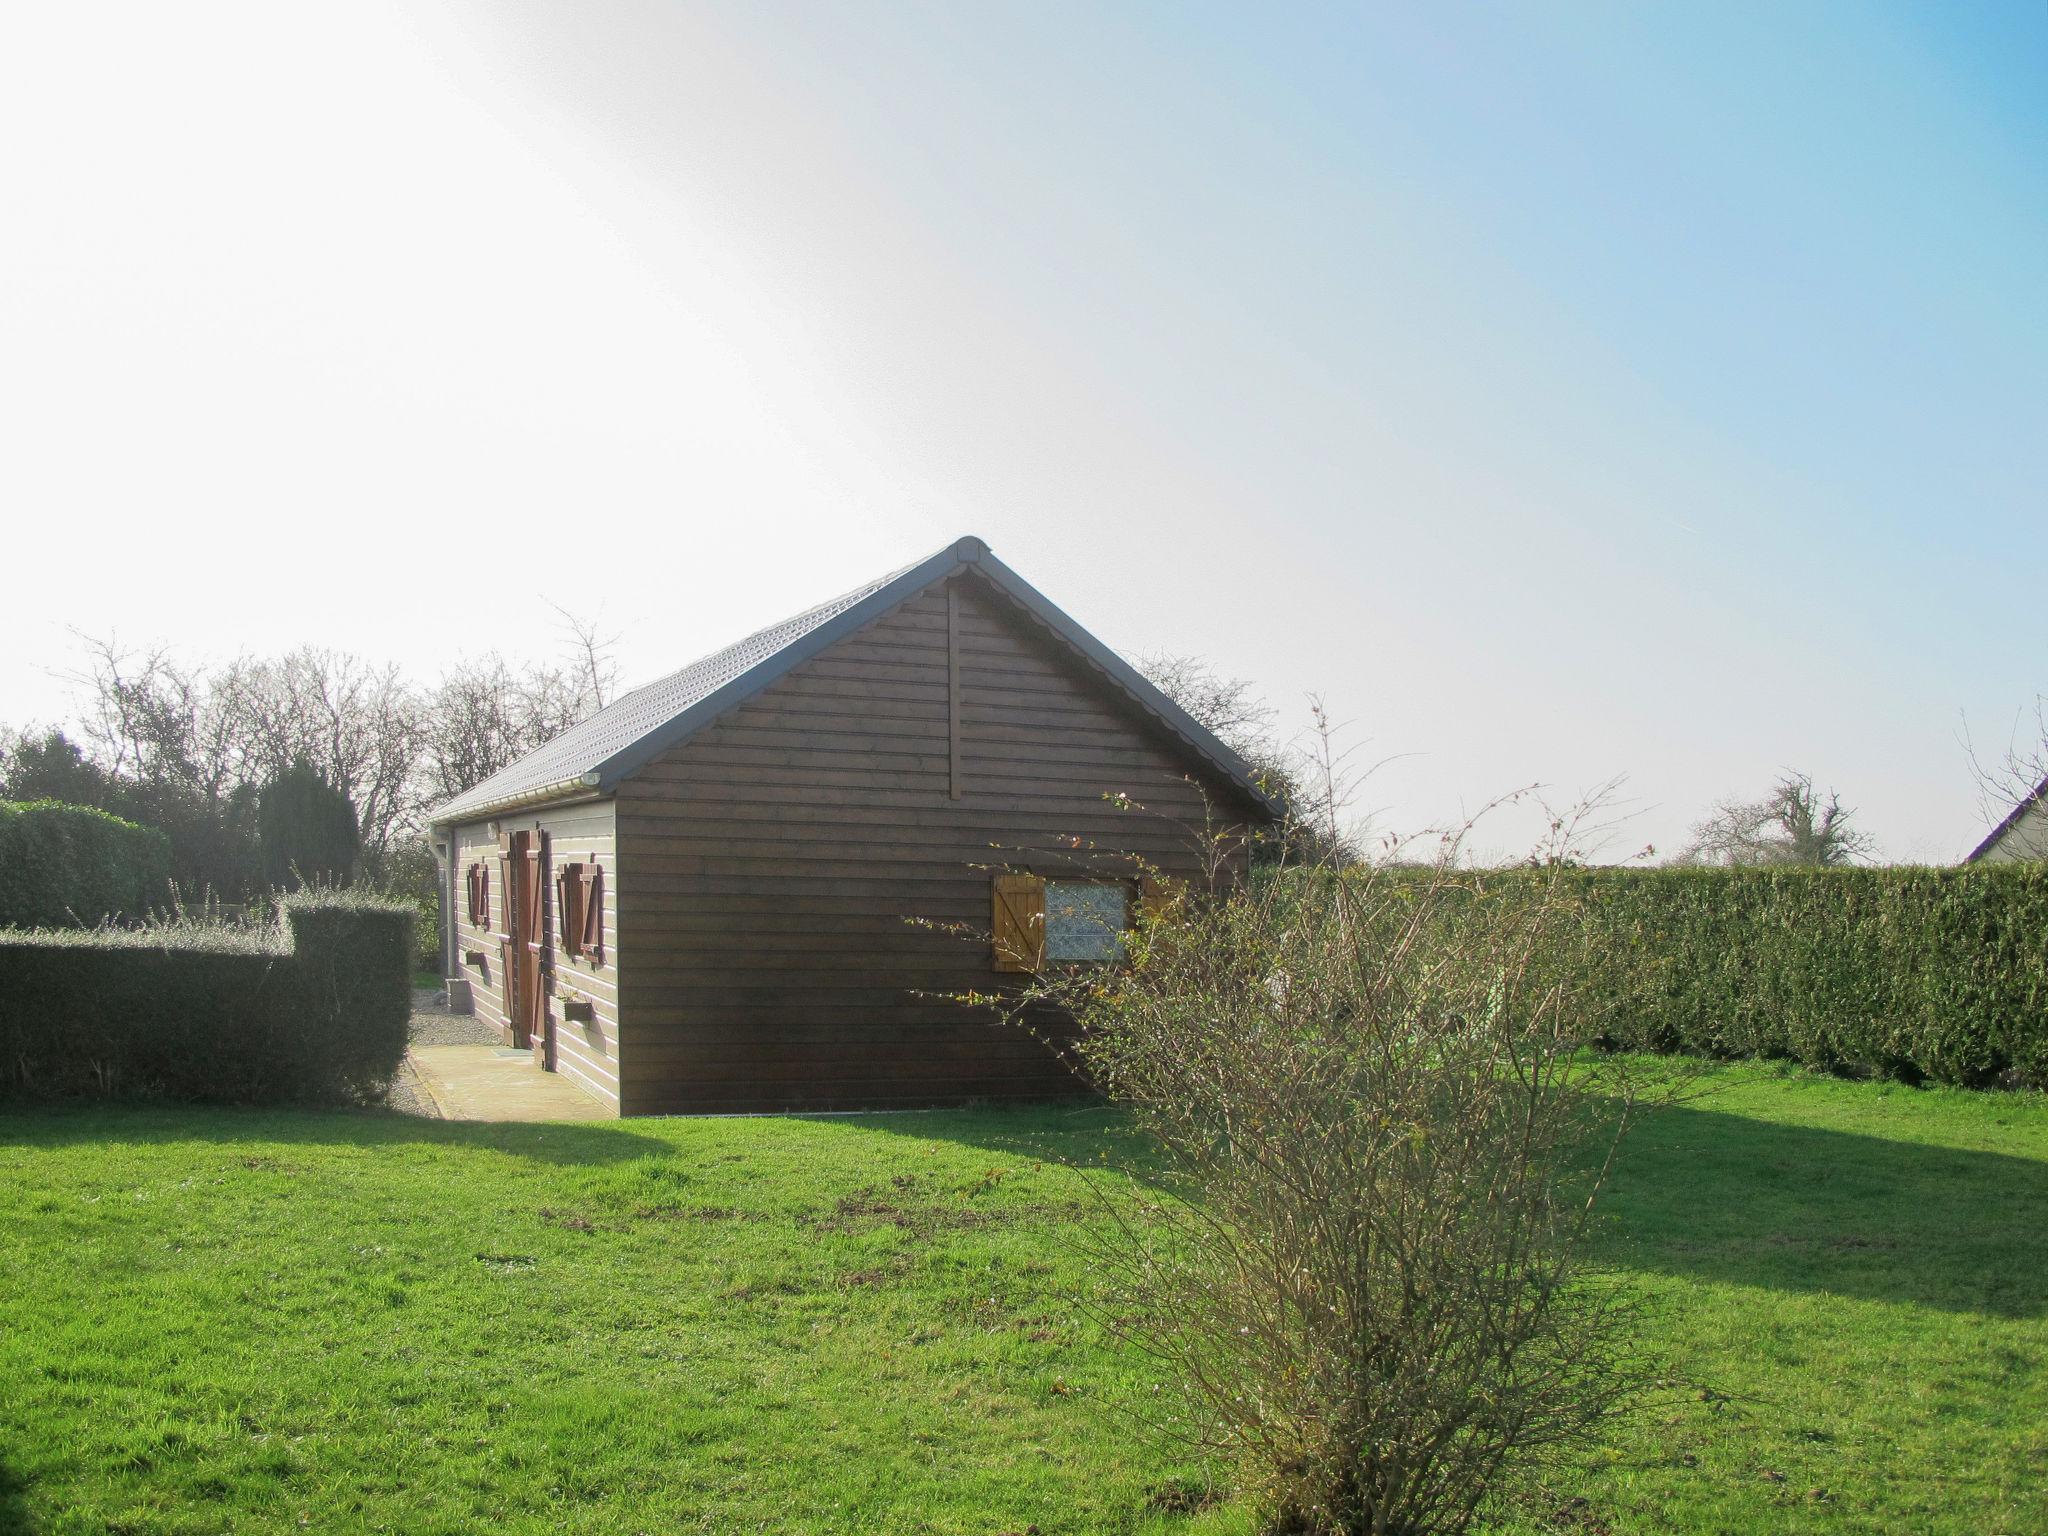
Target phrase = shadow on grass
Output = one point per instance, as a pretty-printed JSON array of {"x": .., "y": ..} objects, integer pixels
[
  {"x": 1073, "y": 1130},
  {"x": 14, "y": 1520},
  {"x": 1716, "y": 1197},
  {"x": 1725, "y": 1198},
  {"x": 166, "y": 1125}
]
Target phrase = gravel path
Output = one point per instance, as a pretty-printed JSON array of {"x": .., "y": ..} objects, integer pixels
[{"x": 433, "y": 1024}]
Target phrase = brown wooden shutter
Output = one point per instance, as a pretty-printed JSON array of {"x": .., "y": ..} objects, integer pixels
[
  {"x": 569, "y": 907},
  {"x": 1158, "y": 895},
  {"x": 1018, "y": 911},
  {"x": 593, "y": 913},
  {"x": 503, "y": 924},
  {"x": 536, "y": 900}
]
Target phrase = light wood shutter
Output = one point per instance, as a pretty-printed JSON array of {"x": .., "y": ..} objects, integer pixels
[
  {"x": 1018, "y": 912},
  {"x": 1158, "y": 895}
]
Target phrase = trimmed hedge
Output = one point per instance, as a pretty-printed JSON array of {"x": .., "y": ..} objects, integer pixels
[
  {"x": 314, "y": 1009},
  {"x": 68, "y": 866},
  {"x": 1916, "y": 973}
]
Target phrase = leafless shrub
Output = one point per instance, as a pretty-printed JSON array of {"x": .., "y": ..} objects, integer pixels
[{"x": 1383, "y": 1141}]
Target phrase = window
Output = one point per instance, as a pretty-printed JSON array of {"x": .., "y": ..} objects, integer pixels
[
  {"x": 1085, "y": 919},
  {"x": 1035, "y": 921}
]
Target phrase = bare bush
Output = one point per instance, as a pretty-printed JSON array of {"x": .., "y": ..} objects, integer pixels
[{"x": 1383, "y": 1140}]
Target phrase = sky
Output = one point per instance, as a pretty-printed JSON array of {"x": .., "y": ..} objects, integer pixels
[{"x": 1559, "y": 392}]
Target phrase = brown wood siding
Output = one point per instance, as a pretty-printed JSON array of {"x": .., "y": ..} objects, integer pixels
[
  {"x": 778, "y": 853},
  {"x": 586, "y": 1051}
]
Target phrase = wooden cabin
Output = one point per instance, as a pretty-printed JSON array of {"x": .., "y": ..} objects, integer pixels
[{"x": 731, "y": 889}]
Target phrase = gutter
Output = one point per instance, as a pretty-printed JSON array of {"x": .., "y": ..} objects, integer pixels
[{"x": 584, "y": 786}]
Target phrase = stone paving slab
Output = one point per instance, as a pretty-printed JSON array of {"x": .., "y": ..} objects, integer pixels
[{"x": 495, "y": 1082}]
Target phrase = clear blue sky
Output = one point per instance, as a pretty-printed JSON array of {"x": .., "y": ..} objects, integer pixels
[{"x": 1563, "y": 391}]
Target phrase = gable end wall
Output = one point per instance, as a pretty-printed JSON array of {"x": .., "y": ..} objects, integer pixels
[{"x": 779, "y": 854}]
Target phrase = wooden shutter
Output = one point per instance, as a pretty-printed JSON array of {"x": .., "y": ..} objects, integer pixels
[
  {"x": 1158, "y": 895},
  {"x": 536, "y": 898},
  {"x": 593, "y": 913},
  {"x": 504, "y": 925},
  {"x": 569, "y": 907},
  {"x": 1018, "y": 912}
]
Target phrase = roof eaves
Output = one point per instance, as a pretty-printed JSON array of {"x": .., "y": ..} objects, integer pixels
[{"x": 582, "y": 787}]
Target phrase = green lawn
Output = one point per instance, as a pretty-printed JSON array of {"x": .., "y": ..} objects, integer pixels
[{"x": 215, "y": 1321}]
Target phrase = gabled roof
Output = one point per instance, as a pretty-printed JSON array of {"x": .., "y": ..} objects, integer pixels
[
  {"x": 592, "y": 757},
  {"x": 2017, "y": 815}
]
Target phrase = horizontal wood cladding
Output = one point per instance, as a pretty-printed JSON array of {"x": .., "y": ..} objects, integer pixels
[
  {"x": 777, "y": 856},
  {"x": 586, "y": 1051}
]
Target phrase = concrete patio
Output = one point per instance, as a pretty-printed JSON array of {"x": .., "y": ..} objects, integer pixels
[
  {"x": 456, "y": 1069},
  {"x": 495, "y": 1082}
]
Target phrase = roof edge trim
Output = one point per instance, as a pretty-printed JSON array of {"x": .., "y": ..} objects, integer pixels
[
  {"x": 1192, "y": 733},
  {"x": 637, "y": 754}
]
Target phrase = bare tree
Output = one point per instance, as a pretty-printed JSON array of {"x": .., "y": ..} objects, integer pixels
[
  {"x": 1227, "y": 706},
  {"x": 593, "y": 658},
  {"x": 140, "y": 712},
  {"x": 357, "y": 724},
  {"x": 1795, "y": 824},
  {"x": 1308, "y": 781},
  {"x": 187, "y": 747},
  {"x": 483, "y": 715}
]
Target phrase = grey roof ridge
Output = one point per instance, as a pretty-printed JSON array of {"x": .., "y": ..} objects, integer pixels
[{"x": 966, "y": 554}]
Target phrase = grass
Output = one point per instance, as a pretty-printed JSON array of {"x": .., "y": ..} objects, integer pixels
[{"x": 220, "y": 1321}]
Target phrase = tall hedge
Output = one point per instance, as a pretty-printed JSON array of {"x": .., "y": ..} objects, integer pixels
[
  {"x": 1917, "y": 973},
  {"x": 70, "y": 866},
  {"x": 313, "y": 1010}
]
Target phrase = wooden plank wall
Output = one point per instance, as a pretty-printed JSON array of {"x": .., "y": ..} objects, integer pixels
[
  {"x": 777, "y": 854},
  {"x": 586, "y": 1052}
]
